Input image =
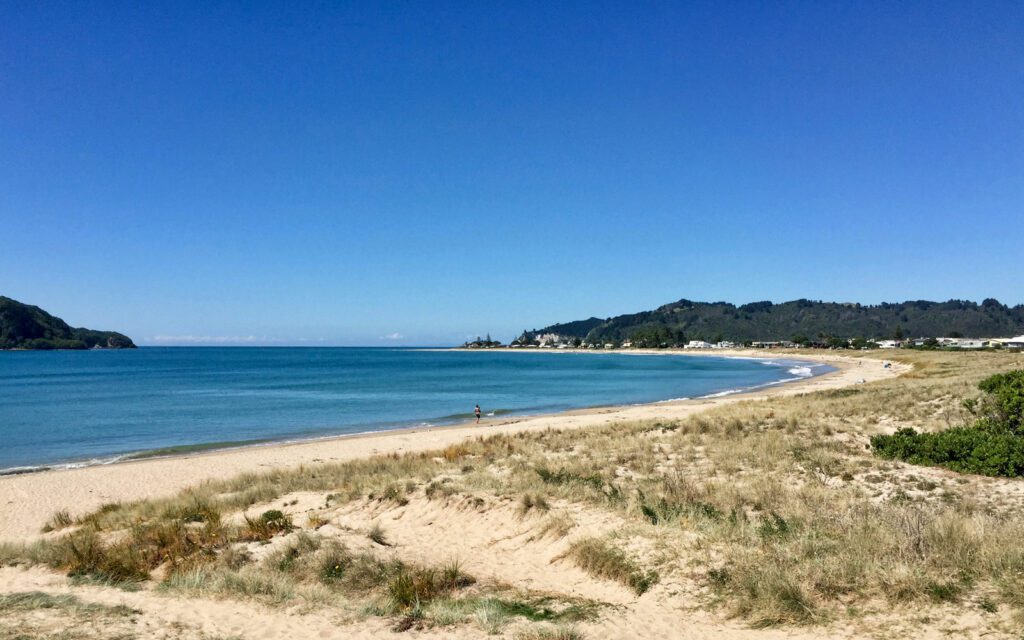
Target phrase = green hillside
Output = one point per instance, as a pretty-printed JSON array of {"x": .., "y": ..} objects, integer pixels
[
  {"x": 24, "y": 326},
  {"x": 714, "y": 321}
]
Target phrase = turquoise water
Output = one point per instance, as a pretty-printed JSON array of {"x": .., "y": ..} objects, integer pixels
[{"x": 81, "y": 407}]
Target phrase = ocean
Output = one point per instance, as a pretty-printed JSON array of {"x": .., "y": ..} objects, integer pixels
[{"x": 70, "y": 408}]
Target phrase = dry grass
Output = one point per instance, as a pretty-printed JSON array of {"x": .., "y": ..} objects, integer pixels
[
  {"x": 604, "y": 560},
  {"x": 59, "y": 520},
  {"x": 378, "y": 535},
  {"x": 34, "y": 614}
]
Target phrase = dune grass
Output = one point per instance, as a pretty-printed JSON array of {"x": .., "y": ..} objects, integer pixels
[
  {"x": 35, "y": 614},
  {"x": 604, "y": 560}
]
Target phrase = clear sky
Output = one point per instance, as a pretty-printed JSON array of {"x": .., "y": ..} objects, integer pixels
[{"x": 415, "y": 173}]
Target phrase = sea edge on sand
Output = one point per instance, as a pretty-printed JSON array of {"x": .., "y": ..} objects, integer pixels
[{"x": 32, "y": 498}]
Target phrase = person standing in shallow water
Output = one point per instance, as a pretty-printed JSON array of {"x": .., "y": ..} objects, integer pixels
[{"x": 476, "y": 412}]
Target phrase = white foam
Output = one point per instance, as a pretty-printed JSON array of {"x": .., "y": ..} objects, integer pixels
[{"x": 725, "y": 393}]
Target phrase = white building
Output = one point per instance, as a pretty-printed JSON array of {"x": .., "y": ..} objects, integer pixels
[
  {"x": 963, "y": 343},
  {"x": 697, "y": 344},
  {"x": 1014, "y": 343}
]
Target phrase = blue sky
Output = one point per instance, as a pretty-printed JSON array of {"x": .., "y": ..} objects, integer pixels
[{"x": 414, "y": 173}]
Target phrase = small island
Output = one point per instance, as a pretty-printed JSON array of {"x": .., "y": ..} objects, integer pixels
[{"x": 24, "y": 326}]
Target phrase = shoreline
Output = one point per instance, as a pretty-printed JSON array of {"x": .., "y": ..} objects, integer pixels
[
  {"x": 190, "y": 450},
  {"x": 33, "y": 497}
]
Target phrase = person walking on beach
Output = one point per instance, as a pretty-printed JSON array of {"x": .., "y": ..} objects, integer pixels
[{"x": 476, "y": 412}]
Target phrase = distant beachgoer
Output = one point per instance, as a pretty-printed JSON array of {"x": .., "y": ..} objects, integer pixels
[{"x": 476, "y": 412}]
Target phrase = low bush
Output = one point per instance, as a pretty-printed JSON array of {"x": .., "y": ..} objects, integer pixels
[
  {"x": 965, "y": 449},
  {"x": 992, "y": 446}
]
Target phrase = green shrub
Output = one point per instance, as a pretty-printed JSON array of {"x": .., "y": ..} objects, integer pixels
[
  {"x": 992, "y": 446},
  {"x": 1004, "y": 404},
  {"x": 965, "y": 449}
]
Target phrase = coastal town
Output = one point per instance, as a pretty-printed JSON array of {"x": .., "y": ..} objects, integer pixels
[{"x": 558, "y": 341}]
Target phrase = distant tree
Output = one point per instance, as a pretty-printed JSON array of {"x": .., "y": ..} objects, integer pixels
[
  {"x": 898, "y": 334},
  {"x": 955, "y": 334},
  {"x": 835, "y": 342}
]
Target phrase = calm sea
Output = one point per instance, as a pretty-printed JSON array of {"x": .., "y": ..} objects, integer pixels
[{"x": 90, "y": 407}]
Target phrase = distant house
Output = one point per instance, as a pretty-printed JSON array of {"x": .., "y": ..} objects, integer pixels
[
  {"x": 697, "y": 344},
  {"x": 724, "y": 344},
  {"x": 888, "y": 344},
  {"x": 1014, "y": 343},
  {"x": 765, "y": 345},
  {"x": 963, "y": 343},
  {"x": 971, "y": 343}
]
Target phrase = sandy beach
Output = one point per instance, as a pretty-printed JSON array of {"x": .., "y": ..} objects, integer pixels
[{"x": 30, "y": 499}]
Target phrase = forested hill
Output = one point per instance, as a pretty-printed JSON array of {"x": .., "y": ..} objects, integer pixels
[
  {"x": 24, "y": 326},
  {"x": 714, "y": 321}
]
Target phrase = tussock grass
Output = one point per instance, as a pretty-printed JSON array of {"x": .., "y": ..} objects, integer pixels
[
  {"x": 59, "y": 520},
  {"x": 34, "y": 614},
  {"x": 378, "y": 535},
  {"x": 550, "y": 633},
  {"x": 36, "y": 600},
  {"x": 315, "y": 521},
  {"x": 532, "y": 501},
  {"x": 492, "y": 613},
  {"x": 266, "y": 526},
  {"x": 602, "y": 559},
  {"x": 557, "y": 525}
]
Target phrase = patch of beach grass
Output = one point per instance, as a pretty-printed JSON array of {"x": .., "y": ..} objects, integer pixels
[
  {"x": 556, "y": 525},
  {"x": 378, "y": 535},
  {"x": 602, "y": 559},
  {"x": 64, "y": 617},
  {"x": 36, "y": 600},
  {"x": 59, "y": 520},
  {"x": 549, "y": 633},
  {"x": 266, "y": 526},
  {"x": 532, "y": 502}
]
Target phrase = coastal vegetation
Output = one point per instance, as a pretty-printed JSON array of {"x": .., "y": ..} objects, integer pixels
[
  {"x": 22, "y": 617},
  {"x": 25, "y": 326},
  {"x": 771, "y": 512},
  {"x": 799, "y": 321},
  {"x": 993, "y": 445}
]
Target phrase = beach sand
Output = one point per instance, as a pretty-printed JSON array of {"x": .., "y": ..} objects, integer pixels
[{"x": 29, "y": 500}]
